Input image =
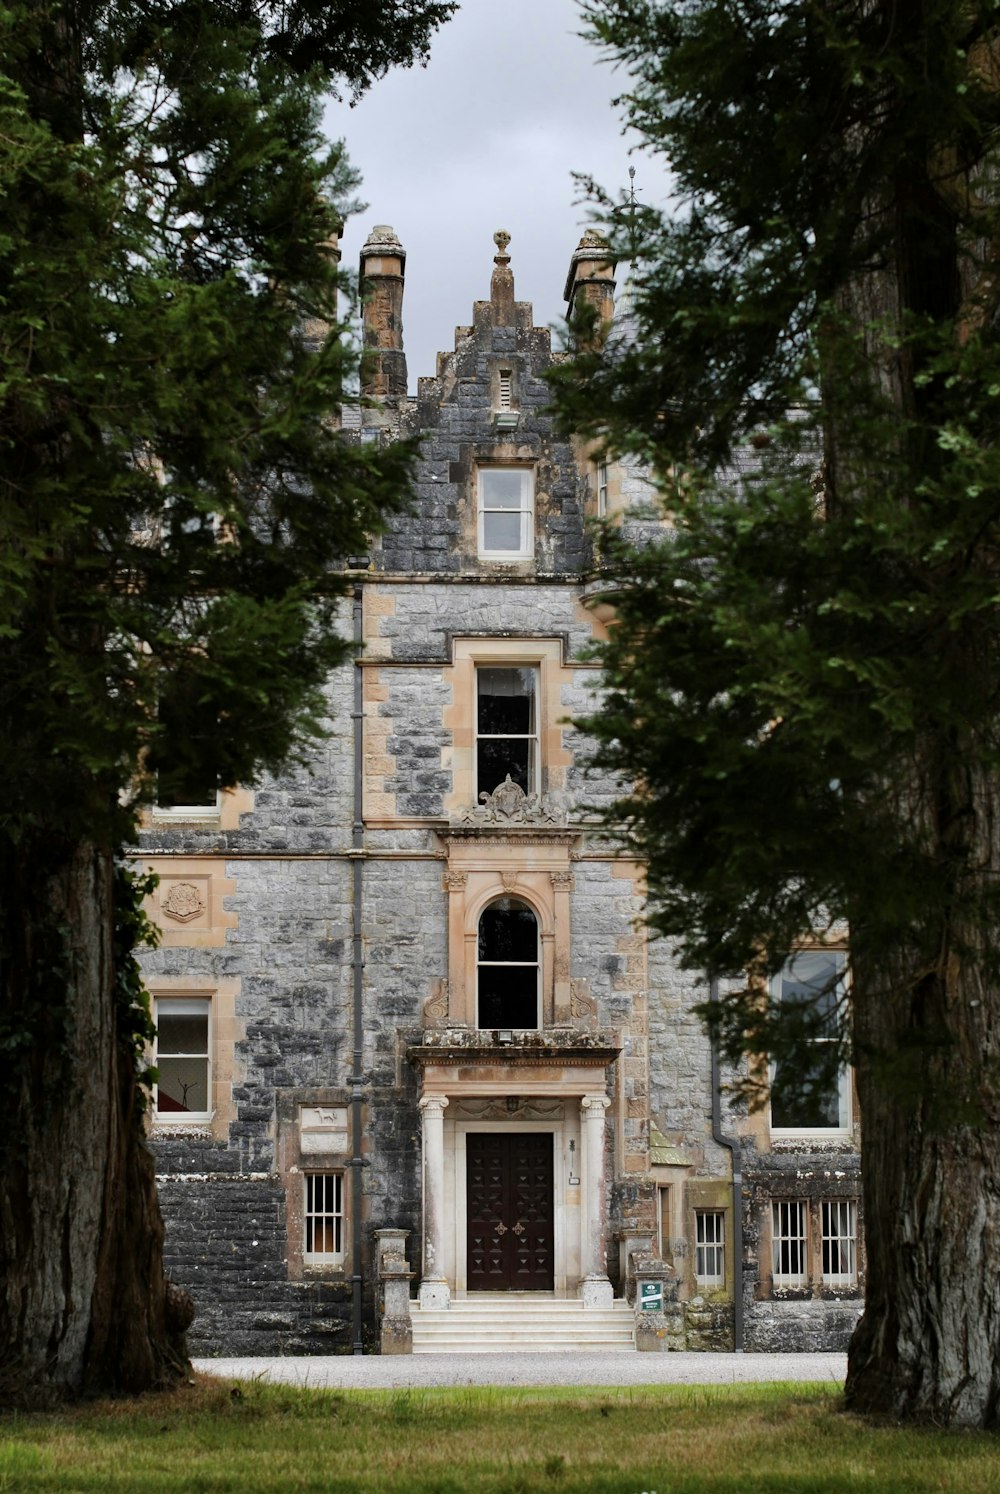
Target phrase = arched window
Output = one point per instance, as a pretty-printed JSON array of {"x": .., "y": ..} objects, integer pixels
[{"x": 508, "y": 965}]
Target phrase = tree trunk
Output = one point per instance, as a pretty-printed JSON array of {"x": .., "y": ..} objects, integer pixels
[
  {"x": 84, "y": 1305},
  {"x": 928, "y": 1066}
]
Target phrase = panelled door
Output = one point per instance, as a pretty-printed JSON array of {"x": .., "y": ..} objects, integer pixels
[{"x": 510, "y": 1209}]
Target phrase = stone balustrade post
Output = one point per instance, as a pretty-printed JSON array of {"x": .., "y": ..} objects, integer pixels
[
  {"x": 659, "y": 1317},
  {"x": 394, "y": 1277}
]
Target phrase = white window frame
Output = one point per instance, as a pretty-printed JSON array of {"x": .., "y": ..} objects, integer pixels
[
  {"x": 839, "y": 1225},
  {"x": 602, "y": 490},
  {"x": 189, "y": 812},
  {"x": 327, "y": 1212},
  {"x": 184, "y": 1006},
  {"x": 526, "y": 510},
  {"x": 843, "y": 1129},
  {"x": 535, "y": 965},
  {"x": 789, "y": 1238},
  {"x": 710, "y": 1247},
  {"x": 532, "y": 738}
]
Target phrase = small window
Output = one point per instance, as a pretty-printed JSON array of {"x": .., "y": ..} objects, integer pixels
[
  {"x": 183, "y": 1089},
  {"x": 506, "y": 728},
  {"x": 506, "y": 389},
  {"x": 840, "y": 1236},
  {"x": 602, "y": 490},
  {"x": 508, "y": 965},
  {"x": 710, "y": 1247},
  {"x": 506, "y": 496},
  {"x": 812, "y": 1095},
  {"x": 664, "y": 1227},
  {"x": 788, "y": 1242},
  {"x": 323, "y": 1218}
]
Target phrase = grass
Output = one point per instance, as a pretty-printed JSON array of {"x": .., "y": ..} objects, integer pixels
[{"x": 251, "y": 1438}]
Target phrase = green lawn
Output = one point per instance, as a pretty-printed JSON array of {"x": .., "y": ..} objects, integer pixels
[{"x": 251, "y": 1438}]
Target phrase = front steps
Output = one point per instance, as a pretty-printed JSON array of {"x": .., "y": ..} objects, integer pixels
[{"x": 532, "y": 1322}]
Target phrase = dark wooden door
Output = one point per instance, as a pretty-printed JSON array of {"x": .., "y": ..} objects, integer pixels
[{"x": 509, "y": 1212}]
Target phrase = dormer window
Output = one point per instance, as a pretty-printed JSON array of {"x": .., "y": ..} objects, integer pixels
[{"x": 506, "y": 513}]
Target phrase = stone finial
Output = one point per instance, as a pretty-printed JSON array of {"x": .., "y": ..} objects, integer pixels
[{"x": 502, "y": 283}]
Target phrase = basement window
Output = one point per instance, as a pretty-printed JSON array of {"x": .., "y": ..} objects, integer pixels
[
  {"x": 788, "y": 1242},
  {"x": 840, "y": 1241},
  {"x": 323, "y": 1219},
  {"x": 710, "y": 1247}
]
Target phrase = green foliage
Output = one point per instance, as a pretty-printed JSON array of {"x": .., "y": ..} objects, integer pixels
[
  {"x": 804, "y": 675},
  {"x": 133, "y": 931},
  {"x": 176, "y": 503}
]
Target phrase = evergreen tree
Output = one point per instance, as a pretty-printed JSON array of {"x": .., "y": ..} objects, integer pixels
[
  {"x": 805, "y": 672},
  {"x": 176, "y": 507}
]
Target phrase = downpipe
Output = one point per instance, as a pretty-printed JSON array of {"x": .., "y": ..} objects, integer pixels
[
  {"x": 733, "y": 1147},
  {"x": 358, "y": 965}
]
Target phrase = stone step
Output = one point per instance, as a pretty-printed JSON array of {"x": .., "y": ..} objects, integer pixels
[{"x": 493, "y": 1324}]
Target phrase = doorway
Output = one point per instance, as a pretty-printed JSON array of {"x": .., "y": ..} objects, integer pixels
[{"x": 509, "y": 1211}]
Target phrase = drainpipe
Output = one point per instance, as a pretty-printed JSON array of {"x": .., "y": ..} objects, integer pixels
[
  {"x": 358, "y": 965},
  {"x": 732, "y": 1145}
]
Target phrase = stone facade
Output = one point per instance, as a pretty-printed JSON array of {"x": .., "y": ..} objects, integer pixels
[{"x": 330, "y": 1065}]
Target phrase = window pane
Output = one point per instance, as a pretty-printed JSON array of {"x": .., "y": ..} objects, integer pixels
[
  {"x": 181, "y": 1034},
  {"x": 812, "y": 1102},
  {"x": 508, "y": 931},
  {"x": 502, "y": 487},
  {"x": 506, "y": 701},
  {"x": 182, "y": 1085},
  {"x": 496, "y": 758},
  {"x": 508, "y": 996},
  {"x": 811, "y": 978},
  {"x": 501, "y": 531}
]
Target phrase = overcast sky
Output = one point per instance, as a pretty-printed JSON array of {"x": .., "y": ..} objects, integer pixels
[{"x": 487, "y": 136}]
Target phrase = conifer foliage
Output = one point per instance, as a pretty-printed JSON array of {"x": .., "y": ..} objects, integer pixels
[
  {"x": 804, "y": 675},
  {"x": 175, "y": 506}
]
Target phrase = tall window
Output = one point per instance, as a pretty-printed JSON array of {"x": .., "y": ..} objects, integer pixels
[
  {"x": 602, "y": 490},
  {"x": 323, "y": 1217},
  {"x": 506, "y": 519},
  {"x": 183, "y": 1062},
  {"x": 788, "y": 1241},
  {"x": 710, "y": 1247},
  {"x": 812, "y": 1093},
  {"x": 840, "y": 1241},
  {"x": 508, "y": 965},
  {"x": 506, "y": 728}
]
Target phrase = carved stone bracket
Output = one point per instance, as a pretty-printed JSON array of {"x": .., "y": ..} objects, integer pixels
[{"x": 436, "y": 1004}]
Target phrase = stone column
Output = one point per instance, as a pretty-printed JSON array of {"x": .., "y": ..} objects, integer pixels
[
  {"x": 433, "y": 1286},
  {"x": 595, "y": 1288}
]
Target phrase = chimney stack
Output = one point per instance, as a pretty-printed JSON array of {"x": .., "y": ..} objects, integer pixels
[
  {"x": 383, "y": 265},
  {"x": 591, "y": 278}
]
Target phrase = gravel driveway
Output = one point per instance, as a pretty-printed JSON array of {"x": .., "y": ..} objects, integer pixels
[{"x": 375, "y": 1372}]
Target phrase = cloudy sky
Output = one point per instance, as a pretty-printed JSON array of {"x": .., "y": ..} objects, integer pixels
[{"x": 487, "y": 136}]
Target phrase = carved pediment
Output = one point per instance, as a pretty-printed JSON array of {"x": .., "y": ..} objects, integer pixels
[{"x": 508, "y": 804}]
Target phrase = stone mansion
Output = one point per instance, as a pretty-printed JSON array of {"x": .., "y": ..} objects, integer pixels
[{"x": 419, "y": 1062}]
